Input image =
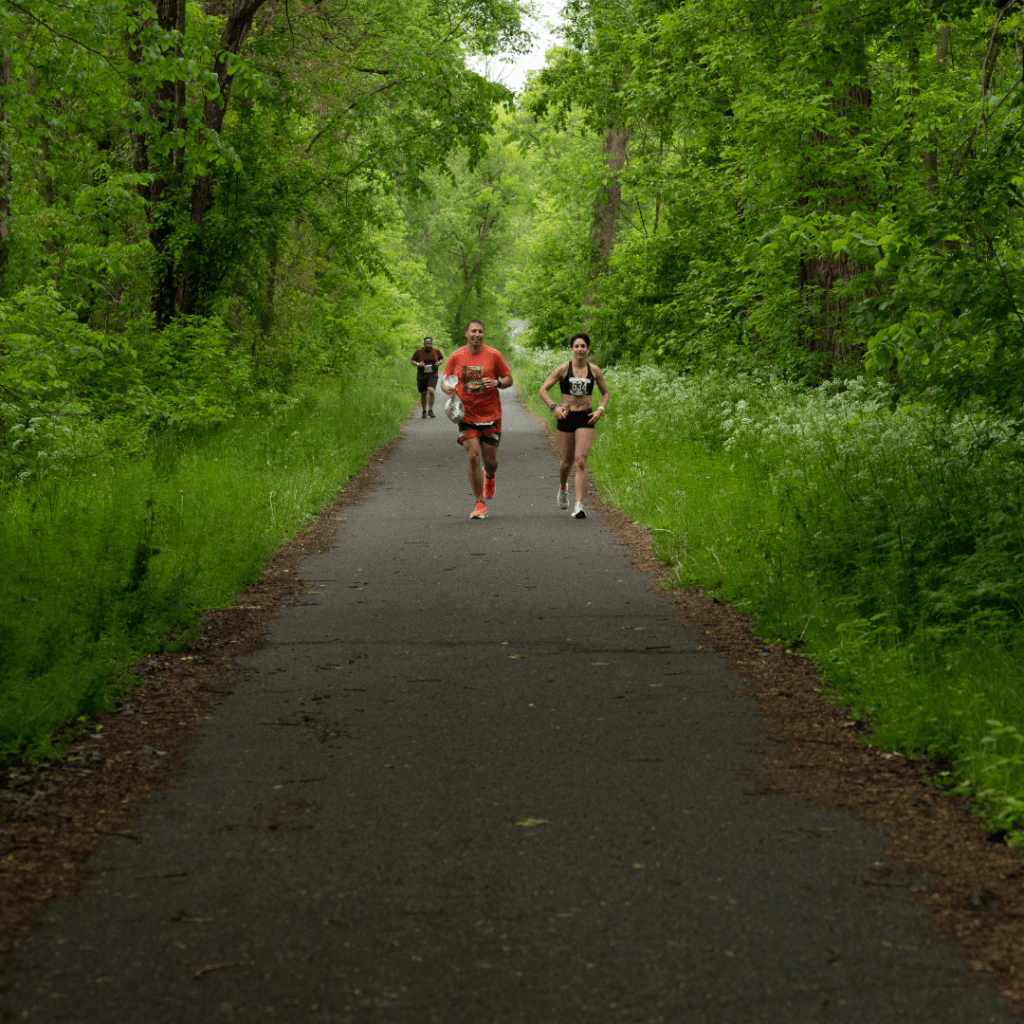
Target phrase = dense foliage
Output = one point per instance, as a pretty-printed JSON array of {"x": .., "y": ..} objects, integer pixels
[
  {"x": 208, "y": 210},
  {"x": 817, "y": 189},
  {"x": 887, "y": 547},
  {"x": 466, "y": 227},
  {"x": 200, "y": 202},
  {"x": 101, "y": 559}
]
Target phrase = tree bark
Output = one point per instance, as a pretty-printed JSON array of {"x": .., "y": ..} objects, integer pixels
[
  {"x": 471, "y": 273},
  {"x": 269, "y": 291},
  {"x": 823, "y": 276},
  {"x": 236, "y": 30},
  {"x": 166, "y": 103},
  {"x": 608, "y": 206}
]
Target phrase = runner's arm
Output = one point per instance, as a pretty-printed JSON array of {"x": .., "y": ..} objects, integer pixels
[
  {"x": 553, "y": 378},
  {"x": 599, "y": 412}
]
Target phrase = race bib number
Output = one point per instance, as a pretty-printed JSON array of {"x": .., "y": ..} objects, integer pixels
[
  {"x": 472, "y": 379},
  {"x": 578, "y": 385}
]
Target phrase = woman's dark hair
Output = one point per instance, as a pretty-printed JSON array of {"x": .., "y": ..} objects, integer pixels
[{"x": 585, "y": 337}]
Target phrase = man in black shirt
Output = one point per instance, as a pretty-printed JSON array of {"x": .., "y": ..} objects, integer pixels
[{"x": 426, "y": 360}]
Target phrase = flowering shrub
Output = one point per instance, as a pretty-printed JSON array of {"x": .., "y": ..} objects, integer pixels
[{"x": 918, "y": 511}]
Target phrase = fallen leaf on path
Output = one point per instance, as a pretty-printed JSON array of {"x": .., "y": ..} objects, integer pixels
[
  {"x": 531, "y": 822},
  {"x": 200, "y": 971}
]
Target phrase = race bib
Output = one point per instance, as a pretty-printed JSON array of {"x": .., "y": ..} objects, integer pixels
[
  {"x": 472, "y": 379},
  {"x": 578, "y": 385}
]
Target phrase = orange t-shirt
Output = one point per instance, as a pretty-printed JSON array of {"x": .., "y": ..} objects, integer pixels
[{"x": 482, "y": 405}]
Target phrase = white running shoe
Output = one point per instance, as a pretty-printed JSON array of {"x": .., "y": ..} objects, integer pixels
[
  {"x": 563, "y": 498},
  {"x": 577, "y": 512}
]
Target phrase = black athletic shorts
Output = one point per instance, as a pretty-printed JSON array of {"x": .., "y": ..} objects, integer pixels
[
  {"x": 576, "y": 420},
  {"x": 426, "y": 382}
]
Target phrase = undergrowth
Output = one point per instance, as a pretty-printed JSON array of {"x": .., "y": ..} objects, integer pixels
[
  {"x": 888, "y": 546},
  {"x": 102, "y": 559}
]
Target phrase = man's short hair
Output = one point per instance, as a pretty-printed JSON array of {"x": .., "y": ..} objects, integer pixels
[
  {"x": 585, "y": 337},
  {"x": 471, "y": 322}
]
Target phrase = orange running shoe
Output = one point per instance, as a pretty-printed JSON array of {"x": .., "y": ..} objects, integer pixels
[
  {"x": 480, "y": 512},
  {"x": 489, "y": 486}
]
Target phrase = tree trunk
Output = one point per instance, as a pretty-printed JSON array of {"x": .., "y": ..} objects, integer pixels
[
  {"x": 608, "y": 206},
  {"x": 823, "y": 276},
  {"x": 471, "y": 274},
  {"x": 166, "y": 104},
  {"x": 236, "y": 30},
  {"x": 270, "y": 291},
  {"x": 177, "y": 286}
]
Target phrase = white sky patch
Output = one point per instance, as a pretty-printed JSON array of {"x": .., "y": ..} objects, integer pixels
[{"x": 513, "y": 73}]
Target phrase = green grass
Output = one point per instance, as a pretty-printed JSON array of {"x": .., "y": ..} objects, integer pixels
[
  {"x": 102, "y": 560},
  {"x": 888, "y": 547}
]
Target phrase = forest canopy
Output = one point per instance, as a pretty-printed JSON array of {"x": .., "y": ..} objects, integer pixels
[
  {"x": 820, "y": 189},
  {"x": 200, "y": 202}
]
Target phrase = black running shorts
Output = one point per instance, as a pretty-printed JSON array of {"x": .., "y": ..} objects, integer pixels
[{"x": 576, "y": 420}]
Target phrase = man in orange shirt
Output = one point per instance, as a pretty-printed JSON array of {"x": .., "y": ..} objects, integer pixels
[{"x": 480, "y": 371}]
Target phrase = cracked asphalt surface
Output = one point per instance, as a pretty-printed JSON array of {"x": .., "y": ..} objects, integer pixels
[{"x": 484, "y": 775}]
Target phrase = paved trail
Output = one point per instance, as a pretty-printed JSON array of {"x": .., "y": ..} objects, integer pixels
[{"x": 343, "y": 845}]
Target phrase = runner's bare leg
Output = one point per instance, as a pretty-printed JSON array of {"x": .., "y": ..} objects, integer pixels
[
  {"x": 584, "y": 439},
  {"x": 568, "y": 454},
  {"x": 490, "y": 457},
  {"x": 474, "y": 469}
]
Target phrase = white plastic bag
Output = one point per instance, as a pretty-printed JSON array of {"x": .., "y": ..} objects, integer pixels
[{"x": 453, "y": 408}]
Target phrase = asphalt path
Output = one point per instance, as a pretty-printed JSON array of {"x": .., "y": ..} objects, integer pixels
[{"x": 484, "y": 775}]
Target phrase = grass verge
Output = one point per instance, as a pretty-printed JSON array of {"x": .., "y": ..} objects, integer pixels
[
  {"x": 888, "y": 546},
  {"x": 101, "y": 561}
]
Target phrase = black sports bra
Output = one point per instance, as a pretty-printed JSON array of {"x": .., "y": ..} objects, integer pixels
[{"x": 577, "y": 385}]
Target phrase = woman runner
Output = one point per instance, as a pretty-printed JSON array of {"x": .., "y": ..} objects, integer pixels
[{"x": 576, "y": 416}]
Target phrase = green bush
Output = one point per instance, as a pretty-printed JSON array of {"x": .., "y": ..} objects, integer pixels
[{"x": 67, "y": 390}]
